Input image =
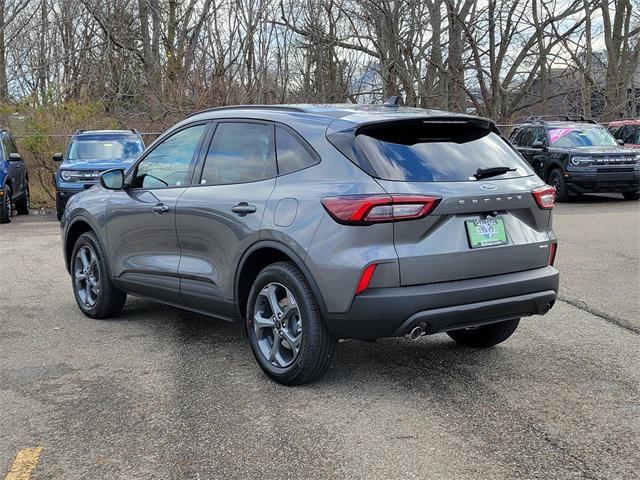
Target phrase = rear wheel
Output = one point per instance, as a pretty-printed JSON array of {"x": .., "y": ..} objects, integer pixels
[
  {"x": 96, "y": 296},
  {"x": 631, "y": 195},
  {"x": 22, "y": 207},
  {"x": 286, "y": 332},
  {"x": 6, "y": 206},
  {"x": 556, "y": 179},
  {"x": 486, "y": 335}
]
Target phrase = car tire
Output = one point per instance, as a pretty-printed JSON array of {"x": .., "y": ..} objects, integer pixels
[
  {"x": 95, "y": 294},
  {"x": 305, "y": 346},
  {"x": 6, "y": 206},
  {"x": 22, "y": 207},
  {"x": 59, "y": 207},
  {"x": 631, "y": 195},
  {"x": 556, "y": 179},
  {"x": 486, "y": 335}
]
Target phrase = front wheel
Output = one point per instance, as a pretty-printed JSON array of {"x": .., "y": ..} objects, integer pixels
[
  {"x": 96, "y": 296},
  {"x": 6, "y": 207},
  {"x": 286, "y": 332},
  {"x": 556, "y": 179},
  {"x": 486, "y": 335},
  {"x": 631, "y": 195}
]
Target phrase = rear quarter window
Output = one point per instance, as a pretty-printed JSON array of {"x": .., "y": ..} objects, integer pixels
[
  {"x": 423, "y": 151},
  {"x": 292, "y": 153}
]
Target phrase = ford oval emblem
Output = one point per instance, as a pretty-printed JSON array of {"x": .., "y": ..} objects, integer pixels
[{"x": 488, "y": 186}]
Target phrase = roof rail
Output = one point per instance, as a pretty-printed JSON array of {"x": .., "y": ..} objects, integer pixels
[
  {"x": 624, "y": 119},
  {"x": 567, "y": 118},
  {"x": 285, "y": 108},
  {"x": 80, "y": 130}
]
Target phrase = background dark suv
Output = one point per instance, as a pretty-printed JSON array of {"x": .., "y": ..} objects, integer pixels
[
  {"x": 14, "y": 180},
  {"x": 577, "y": 156},
  {"x": 313, "y": 223}
]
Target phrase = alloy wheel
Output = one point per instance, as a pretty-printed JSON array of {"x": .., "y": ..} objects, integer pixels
[
  {"x": 278, "y": 325},
  {"x": 87, "y": 276}
]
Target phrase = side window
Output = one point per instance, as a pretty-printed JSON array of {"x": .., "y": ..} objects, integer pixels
[
  {"x": 539, "y": 136},
  {"x": 515, "y": 136},
  {"x": 9, "y": 144},
  {"x": 629, "y": 134},
  {"x": 526, "y": 137},
  {"x": 291, "y": 153},
  {"x": 4, "y": 147},
  {"x": 616, "y": 131},
  {"x": 167, "y": 165},
  {"x": 240, "y": 152}
]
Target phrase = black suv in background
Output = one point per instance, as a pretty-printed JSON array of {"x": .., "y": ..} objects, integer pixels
[
  {"x": 577, "y": 156},
  {"x": 14, "y": 180}
]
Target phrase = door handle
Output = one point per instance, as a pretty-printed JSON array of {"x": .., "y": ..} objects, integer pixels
[
  {"x": 243, "y": 208},
  {"x": 160, "y": 208}
]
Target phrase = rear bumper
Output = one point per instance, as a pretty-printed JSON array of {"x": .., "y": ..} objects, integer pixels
[
  {"x": 595, "y": 182},
  {"x": 388, "y": 312}
]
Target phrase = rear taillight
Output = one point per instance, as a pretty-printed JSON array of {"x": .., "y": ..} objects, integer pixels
[
  {"x": 545, "y": 196},
  {"x": 553, "y": 248},
  {"x": 368, "y": 209}
]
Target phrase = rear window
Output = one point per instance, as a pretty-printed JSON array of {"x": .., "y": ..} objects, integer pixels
[{"x": 429, "y": 151}]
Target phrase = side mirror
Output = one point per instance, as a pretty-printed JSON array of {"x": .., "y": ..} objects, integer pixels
[
  {"x": 537, "y": 144},
  {"x": 14, "y": 157},
  {"x": 112, "y": 179},
  {"x": 620, "y": 141},
  {"x": 57, "y": 157}
]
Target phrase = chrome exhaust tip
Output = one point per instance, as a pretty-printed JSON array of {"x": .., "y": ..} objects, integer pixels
[{"x": 417, "y": 331}]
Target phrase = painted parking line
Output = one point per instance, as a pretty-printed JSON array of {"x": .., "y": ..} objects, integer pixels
[{"x": 25, "y": 462}]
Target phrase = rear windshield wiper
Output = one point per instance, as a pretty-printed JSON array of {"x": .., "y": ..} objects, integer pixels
[{"x": 491, "y": 172}]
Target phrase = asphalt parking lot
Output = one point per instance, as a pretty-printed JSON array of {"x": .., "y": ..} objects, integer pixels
[{"x": 162, "y": 393}]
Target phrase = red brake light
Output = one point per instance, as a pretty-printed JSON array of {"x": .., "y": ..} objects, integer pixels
[
  {"x": 553, "y": 248},
  {"x": 368, "y": 209},
  {"x": 545, "y": 196},
  {"x": 365, "y": 279}
]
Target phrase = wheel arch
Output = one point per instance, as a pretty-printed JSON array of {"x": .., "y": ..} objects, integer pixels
[
  {"x": 77, "y": 227},
  {"x": 552, "y": 165},
  {"x": 258, "y": 256}
]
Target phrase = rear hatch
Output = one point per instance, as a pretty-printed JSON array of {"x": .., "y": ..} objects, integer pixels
[{"x": 487, "y": 222}]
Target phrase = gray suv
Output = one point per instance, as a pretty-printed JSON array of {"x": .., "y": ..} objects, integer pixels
[{"x": 318, "y": 222}]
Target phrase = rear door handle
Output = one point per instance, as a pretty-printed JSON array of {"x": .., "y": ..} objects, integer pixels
[
  {"x": 160, "y": 208},
  {"x": 243, "y": 208}
]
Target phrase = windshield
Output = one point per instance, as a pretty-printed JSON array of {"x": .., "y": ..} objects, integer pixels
[
  {"x": 116, "y": 149},
  {"x": 581, "y": 137},
  {"x": 420, "y": 151}
]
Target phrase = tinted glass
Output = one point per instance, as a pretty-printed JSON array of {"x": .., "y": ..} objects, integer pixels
[
  {"x": 116, "y": 149},
  {"x": 514, "y": 138},
  {"x": 526, "y": 137},
  {"x": 167, "y": 165},
  {"x": 539, "y": 136},
  {"x": 291, "y": 153},
  {"x": 581, "y": 137},
  {"x": 239, "y": 153},
  {"x": 630, "y": 134},
  {"x": 439, "y": 152}
]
